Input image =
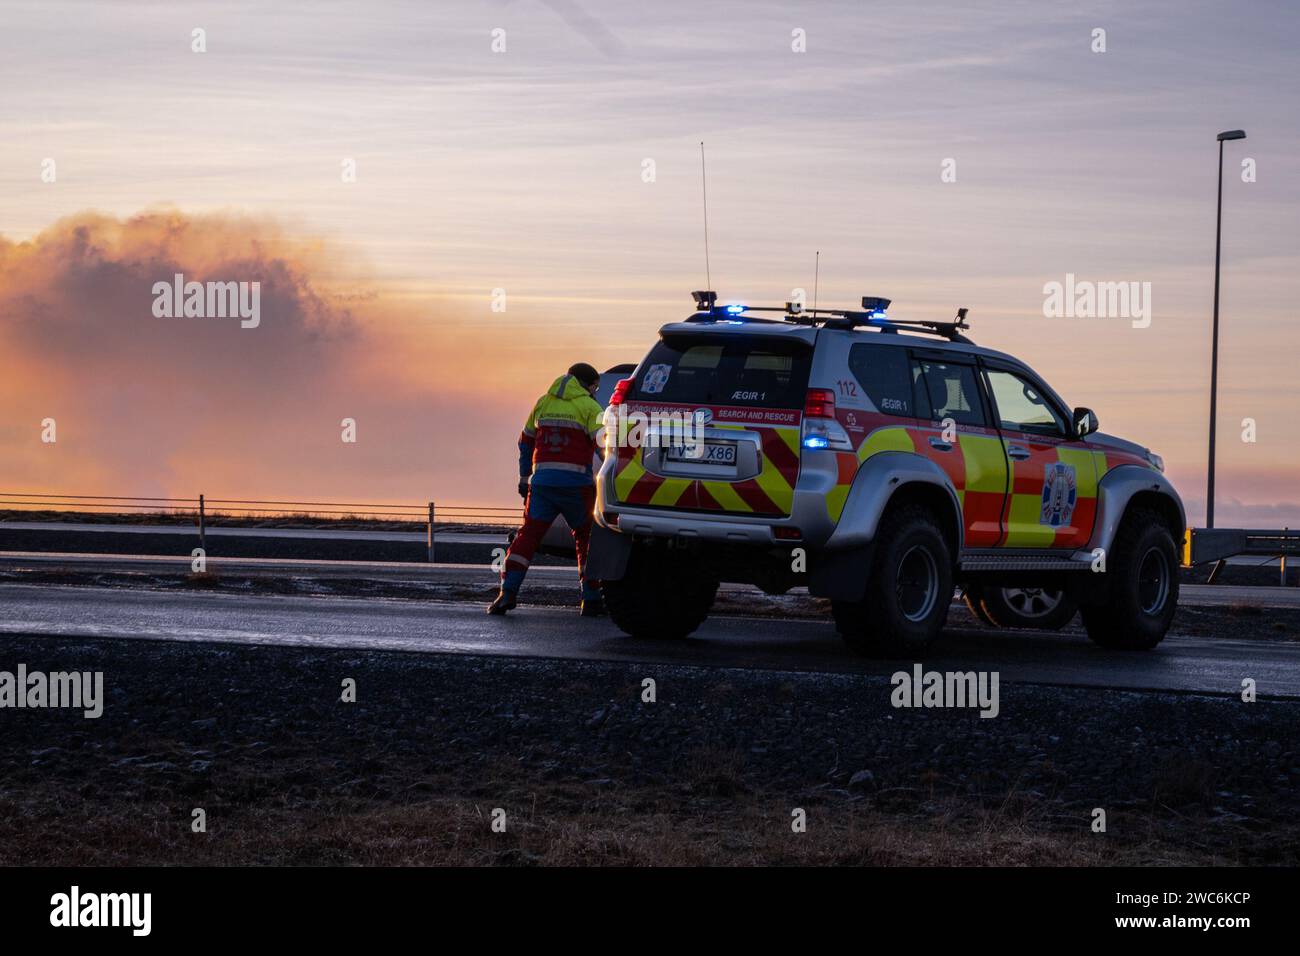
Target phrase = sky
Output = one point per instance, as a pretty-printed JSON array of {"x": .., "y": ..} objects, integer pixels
[{"x": 565, "y": 170}]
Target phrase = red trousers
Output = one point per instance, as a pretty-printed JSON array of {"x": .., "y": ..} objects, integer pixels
[{"x": 544, "y": 504}]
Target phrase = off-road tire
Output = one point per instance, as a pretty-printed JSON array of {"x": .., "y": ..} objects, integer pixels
[
  {"x": 896, "y": 618},
  {"x": 1142, "y": 588},
  {"x": 973, "y": 597},
  {"x": 663, "y": 594}
]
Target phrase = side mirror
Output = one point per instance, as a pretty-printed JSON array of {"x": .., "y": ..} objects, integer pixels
[{"x": 1085, "y": 422}]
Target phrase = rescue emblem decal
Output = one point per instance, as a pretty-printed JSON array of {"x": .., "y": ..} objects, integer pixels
[
  {"x": 656, "y": 377},
  {"x": 1059, "y": 495}
]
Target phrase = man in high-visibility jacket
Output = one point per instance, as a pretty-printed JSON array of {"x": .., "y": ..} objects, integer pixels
[{"x": 556, "y": 449}]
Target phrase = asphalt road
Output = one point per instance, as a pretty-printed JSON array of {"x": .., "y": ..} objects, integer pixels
[
  {"x": 1191, "y": 594},
  {"x": 1179, "y": 664}
]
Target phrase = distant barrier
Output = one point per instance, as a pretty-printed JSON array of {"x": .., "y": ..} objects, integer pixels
[
  {"x": 204, "y": 509},
  {"x": 1201, "y": 545},
  {"x": 1216, "y": 545}
]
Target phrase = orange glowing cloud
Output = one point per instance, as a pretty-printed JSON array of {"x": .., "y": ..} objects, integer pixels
[{"x": 150, "y": 405}]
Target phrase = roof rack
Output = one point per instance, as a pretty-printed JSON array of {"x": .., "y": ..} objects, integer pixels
[{"x": 872, "y": 316}]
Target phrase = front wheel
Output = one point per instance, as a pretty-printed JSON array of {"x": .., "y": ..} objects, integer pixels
[
  {"x": 662, "y": 594},
  {"x": 908, "y": 590},
  {"x": 1142, "y": 592}
]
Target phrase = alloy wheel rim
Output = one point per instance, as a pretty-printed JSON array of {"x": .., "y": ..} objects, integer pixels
[
  {"x": 1153, "y": 581},
  {"x": 1032, "y": 602},
  {"x": 917, "y": 583}
]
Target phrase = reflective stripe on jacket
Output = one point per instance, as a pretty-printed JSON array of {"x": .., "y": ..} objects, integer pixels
[{"x": 560, "y": 434}]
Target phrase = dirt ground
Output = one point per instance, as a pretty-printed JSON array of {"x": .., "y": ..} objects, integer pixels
[{"x": 586, "y": 772}]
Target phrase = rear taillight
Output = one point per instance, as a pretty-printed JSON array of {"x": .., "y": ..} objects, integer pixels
[
  {"x": 620, "y": 391},
  {"x": 820, "y": 429},
  {"x": 819, "y": 403}
]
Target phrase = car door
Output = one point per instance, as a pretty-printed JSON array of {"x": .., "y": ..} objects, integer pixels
[
  {"x": 961, "y": 439},
  {"x": 1052, "y": 499}
]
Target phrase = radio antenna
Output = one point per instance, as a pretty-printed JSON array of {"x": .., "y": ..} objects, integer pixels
[
  {"x": 704, "y": 186},
  {"x": 817, "y": 271}
]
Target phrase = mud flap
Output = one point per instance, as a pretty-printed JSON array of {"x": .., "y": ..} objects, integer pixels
[
  {"x": 840, "y": 575},
  {"x": 607, "y": 554}
]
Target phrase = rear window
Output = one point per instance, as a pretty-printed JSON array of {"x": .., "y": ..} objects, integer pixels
[{"x": 724, "y": 370}]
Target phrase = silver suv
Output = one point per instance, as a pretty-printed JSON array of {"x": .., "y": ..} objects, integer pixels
[{"x": 879, "y": 463}]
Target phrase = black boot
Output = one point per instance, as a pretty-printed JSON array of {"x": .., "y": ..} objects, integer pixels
[
  {"x": 505, "y": 602},
  {"x": 593, "y": 607}
]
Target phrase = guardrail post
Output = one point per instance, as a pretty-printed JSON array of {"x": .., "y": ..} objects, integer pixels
[
  {"x": 431, "y": 532},
  {"x": 1214, "y": 571},
  {"x": 1282, "y": 562},
  {"x": 202, "y": 526}
]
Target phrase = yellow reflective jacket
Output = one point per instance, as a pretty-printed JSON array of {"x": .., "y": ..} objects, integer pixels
[{"x": 559, "y": 438}]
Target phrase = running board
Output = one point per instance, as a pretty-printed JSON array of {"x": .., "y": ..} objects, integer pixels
[{"x": 1025, "y": 561}]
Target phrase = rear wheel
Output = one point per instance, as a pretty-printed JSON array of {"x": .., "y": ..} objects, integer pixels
[
  {"x": 1142, "y": 592},
  {"x": 663, "y": 594},
  {"x": 1041, "y": 608},
  {"x": 909, "y": 588}
]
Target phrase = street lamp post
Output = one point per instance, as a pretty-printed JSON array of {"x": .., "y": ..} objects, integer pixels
[{"x": 1214, "y": 346}]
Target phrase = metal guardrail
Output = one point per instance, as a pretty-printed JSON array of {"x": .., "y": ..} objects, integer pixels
[
  {"x": 204, "y": 509},
  {"x": 1201, "y": 545},
  {"x": 1216, "y": 545}
]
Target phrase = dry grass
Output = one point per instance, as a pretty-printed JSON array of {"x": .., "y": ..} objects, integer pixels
[
  {"x": 1180, "y": 782},
  {"x": 708, "y": 815},
  {"x": 542, "y": 828}
]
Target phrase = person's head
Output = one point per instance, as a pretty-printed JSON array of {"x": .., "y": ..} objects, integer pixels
[{"x": 587, "y": 376}]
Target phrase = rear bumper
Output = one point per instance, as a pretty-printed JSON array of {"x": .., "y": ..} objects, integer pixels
[
  {"x": 818, "y": 473},
  {"x": 677, "y": 525}
]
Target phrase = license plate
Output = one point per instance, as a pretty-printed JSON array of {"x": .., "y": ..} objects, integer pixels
[{"x": 710, "y": 453}]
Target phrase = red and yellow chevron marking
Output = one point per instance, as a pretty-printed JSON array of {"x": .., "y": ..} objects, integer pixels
[
  {"x": 890, "y": 438},
  {"x": 1025, "y": 528},
  {"x": 1024, "y": 524},
  {"x": 976, "y": 467},
  {"x": 770, "y": 492},
  {"x": 982, "y": 489}
]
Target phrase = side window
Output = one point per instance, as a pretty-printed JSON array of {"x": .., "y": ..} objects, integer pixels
[
  {"x": 1021, "y": 408},
  {"x": 952, "y": 391},
  {"x": 885, "y": 377},
  {"x": 919, "y": 394}
]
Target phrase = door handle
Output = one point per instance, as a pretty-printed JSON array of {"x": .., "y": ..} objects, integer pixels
[
  {"x": 1018, "y": 453},
  {"x": 938, "y": 444}
]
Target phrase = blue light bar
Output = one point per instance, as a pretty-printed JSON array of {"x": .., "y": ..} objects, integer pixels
[
  {"x": 734, "y": 309},
  {"x": 816, "y": 441}
]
